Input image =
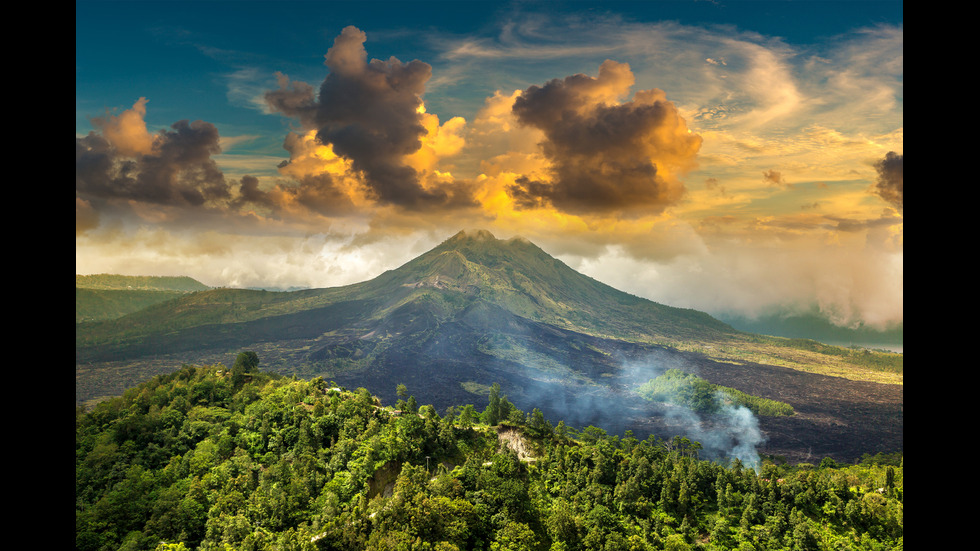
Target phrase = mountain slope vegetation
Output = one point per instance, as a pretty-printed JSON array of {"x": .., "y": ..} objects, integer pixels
[
  {"x": 473, "y": 277},
  {"x": 109, "y": 296},
  {"x": 182, "y": 284},
  {"x": 699, "y": 395},
  {"x": 477, "y": 310},
  {"x": 469, "y": 269},
  {"x": 212, "y": 458}
]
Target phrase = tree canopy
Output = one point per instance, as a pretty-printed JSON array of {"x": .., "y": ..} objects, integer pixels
[{"x": 189, "y": 460}]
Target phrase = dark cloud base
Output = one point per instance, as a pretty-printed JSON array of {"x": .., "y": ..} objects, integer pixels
[
  {"x": 605, "y": 156},
  {"x": 368, "y": 112},
  {"x": 891, "y": 179}
]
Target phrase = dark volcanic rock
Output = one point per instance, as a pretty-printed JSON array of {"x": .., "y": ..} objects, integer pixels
[{"x": 476, "y": 311}]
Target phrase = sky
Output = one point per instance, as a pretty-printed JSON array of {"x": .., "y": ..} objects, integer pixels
[{"x": 740, "y": 157}]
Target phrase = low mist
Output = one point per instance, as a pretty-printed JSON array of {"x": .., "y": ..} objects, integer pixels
[{"x": 615, "y": 406}]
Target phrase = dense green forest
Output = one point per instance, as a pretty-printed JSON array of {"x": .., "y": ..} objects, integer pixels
[
  {"x": 213, "y": 458},
  {"x": 678, "y": 387}
]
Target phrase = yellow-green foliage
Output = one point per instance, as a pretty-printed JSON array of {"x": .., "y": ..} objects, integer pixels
[
  {"x": 194, "y": 460},
  {"x": 677, "y": 387}
]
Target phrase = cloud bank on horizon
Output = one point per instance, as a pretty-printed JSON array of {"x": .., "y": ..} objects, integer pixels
[{"x": 698, "y": 166}]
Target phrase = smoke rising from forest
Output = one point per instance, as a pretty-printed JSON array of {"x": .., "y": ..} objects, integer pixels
[{"x": 732, "y": 432}]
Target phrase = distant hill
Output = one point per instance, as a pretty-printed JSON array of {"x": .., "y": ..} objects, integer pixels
[
  {"x": 181, "y": 284},
  {"x": 478, "y": 310},
  {"x": 813, "y": 325},
  {"x": 110, "y": 296}
]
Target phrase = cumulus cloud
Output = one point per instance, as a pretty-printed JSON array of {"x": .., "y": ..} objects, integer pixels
[
  {"x": 317, "y": 194},
  {"x": 851, "y": 285},
  {"x": 371, "y": 113},
  {"x": 313, "y": 184},
  {"x": 365, "y": 142},
  {"x": 606, "y": 155},
  {"x": 599, "y": 165},
  {"x": 127, "y": 131},
  {"x": 891, "y": 179},
  {"x": 86, "y": 217},
  {"x": 172, "y": 167},
  {"x": 295, "y": 99}
]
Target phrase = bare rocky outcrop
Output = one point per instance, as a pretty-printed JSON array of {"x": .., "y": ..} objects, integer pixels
[
  {"x": 382, "y": 482},
  {"x": 511, "y": 438}
]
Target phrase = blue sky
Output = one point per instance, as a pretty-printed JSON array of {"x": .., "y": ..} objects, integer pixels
[
  {"x": 183, "y": 53},
  {"x": 755, "y": 163}
]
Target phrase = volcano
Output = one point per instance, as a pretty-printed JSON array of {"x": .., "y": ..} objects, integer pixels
[{"x": 478, "y": 310}]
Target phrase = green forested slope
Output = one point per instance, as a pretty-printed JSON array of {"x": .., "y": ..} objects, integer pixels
[
  {"x": 181, "y": 284},
  {"x": 211, "y": 458},
  {"x": 110, "y": 296}
]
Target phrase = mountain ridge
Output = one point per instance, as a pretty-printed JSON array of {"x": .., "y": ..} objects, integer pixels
[
  {"x": 109, "y": 296},
  {"x": 472, "y": 266},
  {"x": 539, "y": 286},
  {"x": 476, "y": 310},
  {"x": 149, "y": 283},
  {"x": 514, "y": 274}
]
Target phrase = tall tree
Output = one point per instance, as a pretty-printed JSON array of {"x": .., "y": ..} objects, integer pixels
[
  {"x": 492, "y": 413},
  {"x": 245, "y": 364}
]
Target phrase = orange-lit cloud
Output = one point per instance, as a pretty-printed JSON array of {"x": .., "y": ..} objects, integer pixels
[
  {"x": 606, "y": 155},
  {"x": 371, "y": 114},
  {"x": 86, "y": 217},
  {"x": 437, "y": 143},
  {"x": 126, "y": 132},
  {"x": 173, "y": 167},
  {"x": 747, "y": 184}
]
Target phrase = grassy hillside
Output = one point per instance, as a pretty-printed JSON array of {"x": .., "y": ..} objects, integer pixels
[
  {"x": 523, "y": 279},
  {"x": 181, "y": 284},
  {"x": 109, "y": 296},
  {"x": 691, "y": 391},
  {"x": 105, "y": 304},
  {"x": 855, "y": 363}
]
